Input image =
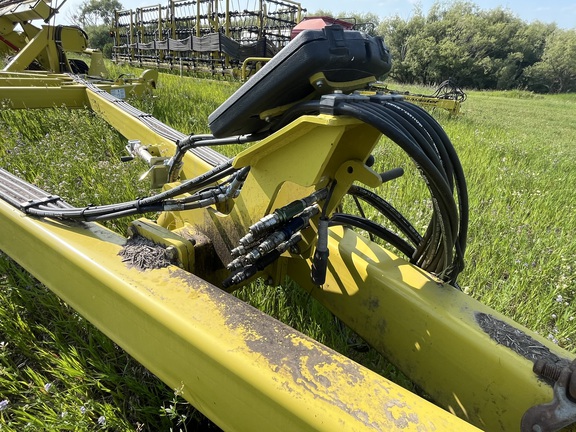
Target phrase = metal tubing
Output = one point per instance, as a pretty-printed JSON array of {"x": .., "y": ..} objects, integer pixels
[{"x": 252, "y": 59}]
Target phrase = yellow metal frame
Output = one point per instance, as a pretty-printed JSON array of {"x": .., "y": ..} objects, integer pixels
[
  {"x": 230, "y": 359},
  {"x": 432, "y": 331},
  {"x": 45, "y": 48},
  {"x": 47, "y": 45},
  {"x": 21, "y": 90},
  {"x": 244, "y": 67},
  {"x": 451, "y": 105},
  {"x": 431, "y": 102}
]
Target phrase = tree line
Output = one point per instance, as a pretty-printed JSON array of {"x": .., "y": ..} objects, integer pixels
[
  {"x": 476, "y": 48},
  {"x": 481, "y": 49}
]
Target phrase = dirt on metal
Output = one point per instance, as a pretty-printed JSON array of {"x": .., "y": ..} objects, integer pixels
[
  {"x": 143, "y": 254},
  {"x": 517, "y": 340}
]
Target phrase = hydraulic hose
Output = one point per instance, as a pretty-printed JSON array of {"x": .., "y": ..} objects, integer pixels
[
  {"x": 154, "y": 203},
  {"x": 440, "y": 250}
]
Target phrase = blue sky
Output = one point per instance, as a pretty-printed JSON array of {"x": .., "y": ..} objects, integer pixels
[{"x": 562, "y": 12}]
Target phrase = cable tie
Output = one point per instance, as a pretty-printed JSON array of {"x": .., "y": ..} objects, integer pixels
[
  {"x": 82, "y": 213},
  {"x": 329, "y": 102},
  {"x": 46, "y": 200}
]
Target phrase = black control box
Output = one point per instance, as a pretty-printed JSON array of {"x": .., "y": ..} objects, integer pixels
[{"x": 315, "y": 62}]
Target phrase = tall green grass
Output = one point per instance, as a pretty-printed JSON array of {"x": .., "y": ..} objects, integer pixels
[
  {"x": 519, "y": 155},
  {"x": 57, "y": 372}
]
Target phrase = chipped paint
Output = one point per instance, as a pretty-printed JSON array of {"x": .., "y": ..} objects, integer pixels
[{"x": 316, "y": 370}]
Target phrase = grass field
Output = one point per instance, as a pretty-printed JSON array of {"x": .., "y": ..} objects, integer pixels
[{"x": 57, "y": 372}]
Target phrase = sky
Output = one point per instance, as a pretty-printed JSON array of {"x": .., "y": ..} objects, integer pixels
[{"x": 562, "y": 12}]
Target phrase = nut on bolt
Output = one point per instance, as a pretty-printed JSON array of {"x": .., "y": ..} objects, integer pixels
[
  {"x": 132, "y": 231},
  {"x": 171, "y": 253},
  {"x": 552, "y": 371}
]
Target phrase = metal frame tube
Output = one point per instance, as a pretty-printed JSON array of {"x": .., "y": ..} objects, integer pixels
[{"x": 240, "y": 367}]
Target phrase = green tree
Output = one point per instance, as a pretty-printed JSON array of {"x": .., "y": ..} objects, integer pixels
[
  {"x": 477, "y": 48},
  {"x": 556, "y": 72},
  {"x": 99, "y": 38},
  {"x": 400, "y": 36},
  {"x": 96, "y": 12}
]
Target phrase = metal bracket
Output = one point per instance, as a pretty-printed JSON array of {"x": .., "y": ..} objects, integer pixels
[
  {"x": 158, "y": 172},
  {"x": 38, "y": 201},
  {"x": 559, "y": 413}
]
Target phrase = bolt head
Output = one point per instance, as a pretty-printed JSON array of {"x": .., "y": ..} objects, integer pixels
[{"x": 171, "y": 253}]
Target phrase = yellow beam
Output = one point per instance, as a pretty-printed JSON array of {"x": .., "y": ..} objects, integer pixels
[
  {"x": 470, "y": 359},
  {"x": 27, "y": 10},
  {"x": 241, "y": 368},
  {"x": 43, "y": 97},
  {"x": 133, "y": 128},
  {"x": 43, "y": 40},
  {"x": 41, "y": 89},
  {"x": 129, "y": 126},
  {"x": 6, "y": 81},
  {"x": 426, "y": 101}
]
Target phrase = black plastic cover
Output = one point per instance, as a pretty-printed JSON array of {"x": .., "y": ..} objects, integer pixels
[{"x": 343, "y": 56}]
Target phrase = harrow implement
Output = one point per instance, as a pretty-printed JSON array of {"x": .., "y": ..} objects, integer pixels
[{"x": 277, "y": 210}]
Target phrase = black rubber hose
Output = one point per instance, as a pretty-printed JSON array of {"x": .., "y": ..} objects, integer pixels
[
  {"x": 361, "y": 211},
  {"x": 303, "y": 108},
  {"x": 387, "y": 125},
  {"x": 426, "y": 253},
  {"x": 441, "y": 142},
  {"x": 144, "y": 205},
  {"x": 421, "y": 138},
  {"x": 429, "y": 152},
  {"x": 374, "y": 228},
  {"x": 460, "y": 180},
  {"x": 388, "y": 211},
  {"x": 427, "y": 250},
  {"x": 461, "y": 187},
  {"x": 440, "y": 190}
]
